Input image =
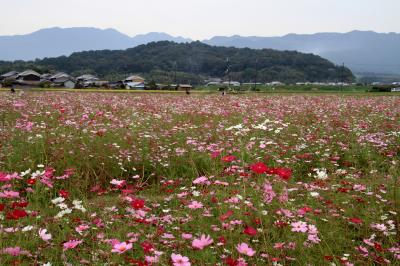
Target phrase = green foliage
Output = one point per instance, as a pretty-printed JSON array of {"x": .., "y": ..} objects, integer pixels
[{"x": 169, "y": 62}]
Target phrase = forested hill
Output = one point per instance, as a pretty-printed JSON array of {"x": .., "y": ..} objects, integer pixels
[{"x": 196, "y": 59}]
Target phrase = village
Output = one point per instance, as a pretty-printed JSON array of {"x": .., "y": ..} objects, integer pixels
[{"x": 32, "y": 79}]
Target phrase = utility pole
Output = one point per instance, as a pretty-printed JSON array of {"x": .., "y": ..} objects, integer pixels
[
  {"x": 228, "y": 72},
  {"x": 342, "y": 76},
  {"x": 255, "y": 78},
  {"x": 175, "y": 64}
]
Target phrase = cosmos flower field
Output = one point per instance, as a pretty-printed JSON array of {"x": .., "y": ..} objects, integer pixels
[{"x": 162, "y": 179}]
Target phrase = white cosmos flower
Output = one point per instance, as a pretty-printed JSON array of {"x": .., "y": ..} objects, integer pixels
[
  {"x": 27, "y": 228},
  {"x": 57, "y": 200}
]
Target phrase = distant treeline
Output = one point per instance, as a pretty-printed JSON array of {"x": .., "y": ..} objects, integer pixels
[{"x": 192, "y": 63}]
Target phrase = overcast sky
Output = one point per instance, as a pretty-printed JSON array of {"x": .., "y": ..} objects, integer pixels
[{"x": 201, "y": 19}]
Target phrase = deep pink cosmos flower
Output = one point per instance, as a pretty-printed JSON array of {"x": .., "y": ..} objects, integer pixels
[
  {"x": 225, "y": 216},
  {"x": 250, "y": 231},
  {"x": 228, "y": 158},
  {"x": 284, "y": 173},
  {"x": 137, "y": 204},
  {"x": 355, "y": 220},
  {"x": 202, "y": 242},
  {"x": 259, "y": 168},
  {"x": 16, "y": 214},
  {"x": 179, "y": 260}
]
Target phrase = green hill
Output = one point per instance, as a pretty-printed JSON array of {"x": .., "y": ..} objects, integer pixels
[{"x": 191, "y": 62}]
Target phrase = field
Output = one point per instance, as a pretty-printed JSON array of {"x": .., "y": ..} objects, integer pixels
[{"x": 171, "y": 179}]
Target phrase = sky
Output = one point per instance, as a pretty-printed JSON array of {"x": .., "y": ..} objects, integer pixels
[{"x": 201, "y": 19}]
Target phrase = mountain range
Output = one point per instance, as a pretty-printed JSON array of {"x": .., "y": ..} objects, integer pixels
[
  {"x": 361, "y": 51},
  {"x": 55, "y": 42}
]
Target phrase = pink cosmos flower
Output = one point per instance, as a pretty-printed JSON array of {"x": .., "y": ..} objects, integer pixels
[
  {"x": 15, "y": 251},
  {"x": 81, "y": 228},
  {"x": 121, "y": 247},
  {"x": 9, "y": 194},
  {"x": 186, "y": 236},
  {"x": 4, "y": 177},
  {"x": 195, "y": 205},
  {"x": 44, "y": 235},
  {"x": 269, "y": 193},
  {"x": 284, "y": 196},
  {"x": 299, "y": 227},
  {"x": 179, "y": 260},
  {"x": 313, "y": 238},
  {"x": 19, "y": 104},
  {"x": 71, "y": 244},
  {"x": 244, "y": 249},
  {"x": 118, "y": 183},
  {"x": 202, "y": 242},
  {"x": 151, "y": 259},
  {"x": 200, "y": 180}
]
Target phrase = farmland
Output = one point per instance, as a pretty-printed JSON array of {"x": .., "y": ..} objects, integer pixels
[{"x": 171, "y": 179}]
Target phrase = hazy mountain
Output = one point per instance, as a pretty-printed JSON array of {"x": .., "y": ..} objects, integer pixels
[
  {"x": 362, "y": 51},
  {"x": 57, "y": 41}
]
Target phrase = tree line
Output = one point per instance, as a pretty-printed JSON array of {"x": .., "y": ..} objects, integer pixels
[{"x": 192, "y": 63}]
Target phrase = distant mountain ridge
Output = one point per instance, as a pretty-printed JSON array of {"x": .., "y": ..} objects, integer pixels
[
  {"x": 361, "y": 51},
  {"x": 54, "y": 42}
]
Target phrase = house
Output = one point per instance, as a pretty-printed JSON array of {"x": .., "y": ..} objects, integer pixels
[
  {"x": 86, "y": 80},
  {"x": 184, "y": 87},
  {"x": 101, "y": 83},
  {"x": 117, "y": 85},
  {"x": 12, "y": 75},
  {"x": 213, "y": 83},
  {"x": 134, "y": 78},
  {"x": 66, "y": 82},
  {"x": 135, "y": 85},
  {"x": 59, "y": 75},
  {"x": 62, "y": 79},
  {"x": 134, "y": 82},
  {"x": 232, "y": 83},
  {"x": 395, "y": 89},
  {"x": 45, "y": 77},
  {"x": 278, "y": 83},
  {"x": 28, "y": 76}
]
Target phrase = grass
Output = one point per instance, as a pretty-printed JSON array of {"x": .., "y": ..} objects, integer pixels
[{"x": 151, "y": 147}]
